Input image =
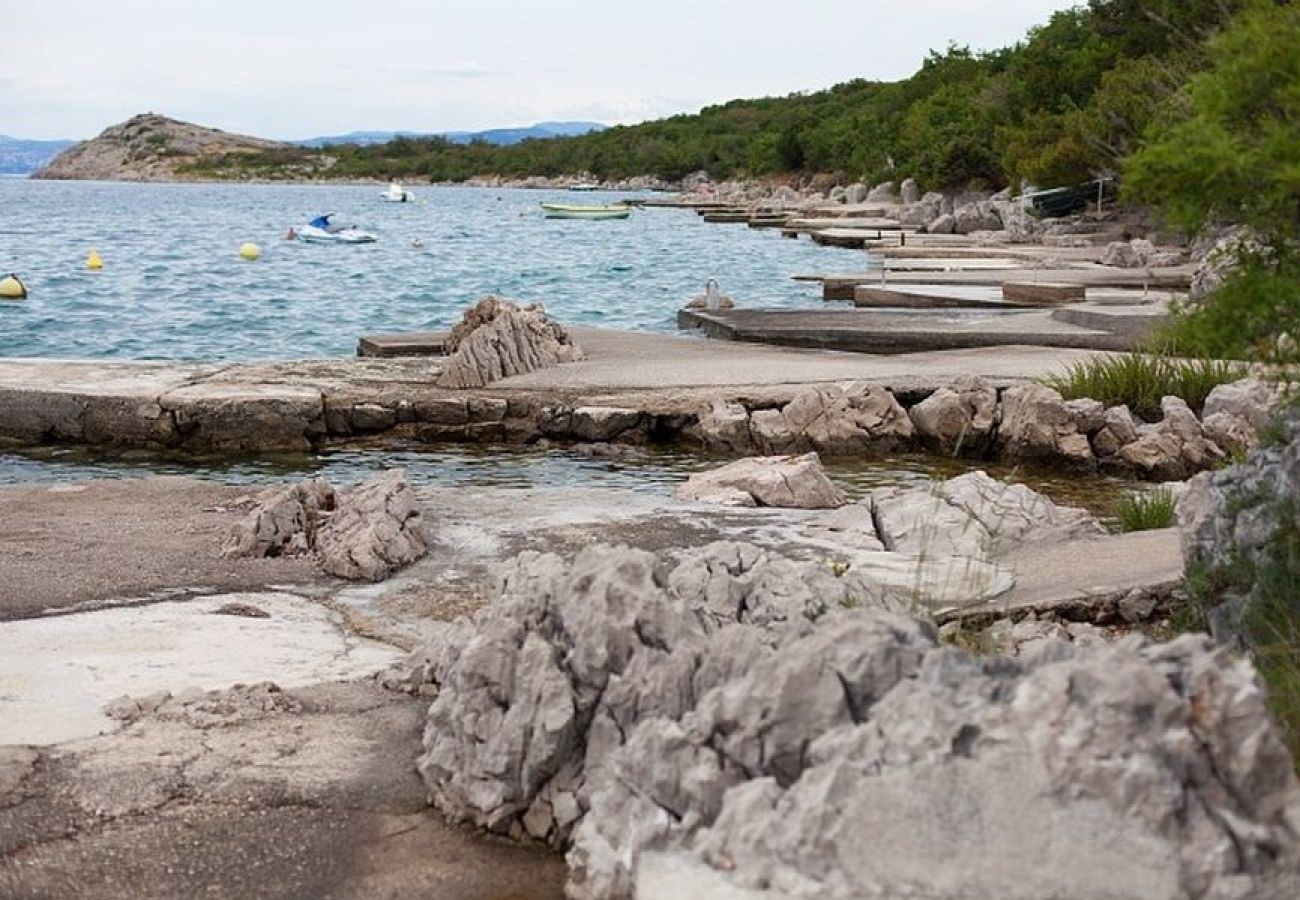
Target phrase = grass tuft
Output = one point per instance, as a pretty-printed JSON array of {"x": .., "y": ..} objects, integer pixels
[
  {"x": 1146, "y": 510},
  {"x": 1141, "y": 381}
]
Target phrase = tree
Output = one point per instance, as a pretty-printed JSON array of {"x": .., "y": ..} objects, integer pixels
[{"x": 1232, "y": 153}]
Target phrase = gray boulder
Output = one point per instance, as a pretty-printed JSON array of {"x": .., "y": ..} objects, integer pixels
[
  {"x": 974, "y": 516},
  {"x": 1037, "y": 423},
  {"x": 974, "y": 217},
  {"x": 724, "y": 427},
  {"x": 961, "y": 416},
  {"x": 909, "y": 191},
  {"x": 1122, "y": 255},
  {"x": 885, "y": 192},
  {"x": 941, "y": 224},
  {"x": 856, "y": 193},
  {"x": 497, "y": 339},
  {"x": 1175, "y": 448},
  {"x": 376, "y": 530},
  {"x": 282, "y": 522},
  {"x": 840, "y": 420},
  {"x": 792, "y": 482},
  {"x": 1251, "y": 399}
]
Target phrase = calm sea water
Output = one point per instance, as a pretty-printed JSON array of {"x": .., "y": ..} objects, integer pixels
[{"x": 173, "y": 287}]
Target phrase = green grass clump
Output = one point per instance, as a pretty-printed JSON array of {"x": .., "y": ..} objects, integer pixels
[
  {"x": 1140, "y": 381},
  {"x": 1146, "y": 511}
]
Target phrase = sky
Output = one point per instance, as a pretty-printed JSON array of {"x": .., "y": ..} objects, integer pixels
[{"x": 290, "y": 70}]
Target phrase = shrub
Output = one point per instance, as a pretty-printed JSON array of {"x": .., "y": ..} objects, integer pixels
[
  {"x": 1146, "y": 511},
  {"x": 1246, "y": 317},
  {"x": 1141, "y": 380}
]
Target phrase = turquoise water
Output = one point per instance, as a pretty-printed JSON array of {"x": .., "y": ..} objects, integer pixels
[{"x": 173, "y": 287}]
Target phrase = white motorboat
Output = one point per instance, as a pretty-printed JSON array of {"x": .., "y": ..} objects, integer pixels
[
  {"x": 396, "y": 194},
  {"x": 586, "y": 211},
  {"x": 321, "y": 230}
]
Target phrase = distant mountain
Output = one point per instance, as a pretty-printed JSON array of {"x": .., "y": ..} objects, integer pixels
[
  {"x": 492, "y": 136},
  {"x": 19, "y": 156}
]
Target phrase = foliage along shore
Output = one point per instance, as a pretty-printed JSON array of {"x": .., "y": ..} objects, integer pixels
[{"x": 1070, "y": 101}]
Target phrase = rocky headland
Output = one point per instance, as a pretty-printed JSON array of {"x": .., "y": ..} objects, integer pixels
[{"x": 148, "y": 147}]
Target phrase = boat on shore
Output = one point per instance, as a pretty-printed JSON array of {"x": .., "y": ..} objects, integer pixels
[
  {"x": 584, "y": 186},
  {"x": 395, "y": 193},
  {"x": 321, "y": 230},
  {"x": 586, "y": 211}
]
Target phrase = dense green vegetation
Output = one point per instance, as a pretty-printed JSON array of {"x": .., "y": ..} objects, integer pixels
[
  {"x": 1070, "y": 101},
  {"x": 1140, "y": 381},
  {"x": 1229, "y": 153}
]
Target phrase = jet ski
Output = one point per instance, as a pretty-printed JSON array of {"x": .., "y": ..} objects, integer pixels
[{"x": 321, "y": 230}]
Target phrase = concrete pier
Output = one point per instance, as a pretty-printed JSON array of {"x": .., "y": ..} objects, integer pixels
[{"x": 663, "y": 380}]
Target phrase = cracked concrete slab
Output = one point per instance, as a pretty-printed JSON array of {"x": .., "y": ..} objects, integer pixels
[{"x": 59, "y": 672}]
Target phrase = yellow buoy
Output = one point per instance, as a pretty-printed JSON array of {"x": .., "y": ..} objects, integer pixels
[
  {"x": 93, "y": 261},
  {"x": 11, "y": 288},
  {"x": 249, "y": 251}
]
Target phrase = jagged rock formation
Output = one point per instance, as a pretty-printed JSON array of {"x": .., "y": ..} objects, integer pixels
[
  {"x": 148, "y": 147},
  {"x": 364, "y": 534},
  {"x": 284, "y": 521},
  {"x": 1234, "y": 519},
  {"x": 778, "y": 727},
  {"x": 793, "y": 482},
  {"x": 376, "y": 530},
  {"x": 497, "y": 339}
]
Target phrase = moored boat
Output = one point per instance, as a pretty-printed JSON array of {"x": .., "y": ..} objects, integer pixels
[
  {"x": 395, "y": 193},
  {"x": 586, "y": 211}
]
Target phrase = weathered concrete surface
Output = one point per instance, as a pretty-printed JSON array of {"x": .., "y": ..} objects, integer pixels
[
  {"x": 58, "y": 672},
  {"x": 252, "y": 794},
  {"x": 102, "y": 540},
  {"x": 1088, "y": 579}
]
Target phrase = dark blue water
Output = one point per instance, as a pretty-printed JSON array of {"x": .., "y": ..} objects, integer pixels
[{"x": 173, "y": 286}]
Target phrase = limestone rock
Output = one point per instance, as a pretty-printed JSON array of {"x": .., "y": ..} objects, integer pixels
[
  {"x": 909, "y": 191},
  {"x": 976, "y": 217},
  {"x": 1037, "y": 423},
  {"x": 840, "y": 420},
  {"x": 1249, "y": 399},
  {"x": 602, "y": 423},
  {"x": 284, "y": 521},
  {"x": 745, "y": 713},
  {"x": 856, "y": 193},
  {"x": 974, "y": 516},
  {"x": 498, "y": 339},
  {"x": 1122, "y": 255},
  {"x": 1124, "y": 770},
  {"x": 959, "y": 416},
  {"x": 725, "y": 427},
  {"x": 793, "y": 482},
  {"x": 1229, "y": 432},
  {"x": 885, "y": 192},
  {"x": 549, "y": 679},
  {"x": 943, "y": 224},
  {"x": 1175, "y": 448},
  {"x": 375, "y": 531}
]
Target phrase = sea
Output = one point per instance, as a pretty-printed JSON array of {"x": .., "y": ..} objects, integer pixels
[{"x": 173, "y": 285}]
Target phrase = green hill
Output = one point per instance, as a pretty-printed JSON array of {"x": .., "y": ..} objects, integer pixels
[{"x": 1072, "y": 99}]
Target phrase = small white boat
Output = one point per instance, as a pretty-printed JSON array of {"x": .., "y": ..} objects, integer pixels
[
  {"x": 321, "y": 230},
  {"x": 586, "y": 211},
  {"x": 396, "y": 194},
  {"x": 584, "y": 186}
]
